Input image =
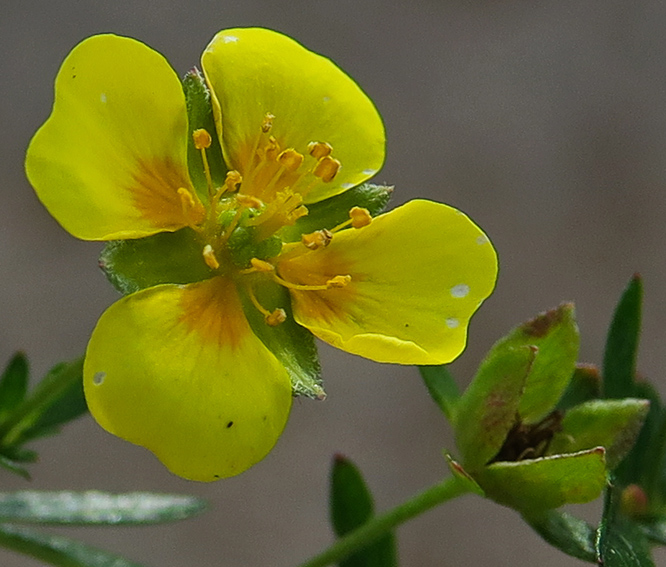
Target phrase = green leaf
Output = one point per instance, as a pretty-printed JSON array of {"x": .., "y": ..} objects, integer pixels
[
  {"x": 619, "y": 366},
  {"x": 13, "y": 466},
  {"x": 13, "y": 384},
  {"x": 612, "y": 424},
  {"x": 166, "y": 257},
  {"x": 548, "y": 482},
  {"x": 464, "y": 477},
  {"x": 96, "y": 508},
  {"x": 567, "y": 533},
  {"x": 200, "y": 115},
  {"x": 488, "y": 408},
  {"x": 655, "y": 529},
  {"x": 620, "y": 543},
  {"x": 351, "y": 507},
  {"x": 293, "y": 345},
  {"x": 331, "y": 212},
  {"x": 442, "y": 388},
  {"x": 57, "y": 550},
  {"x": 585, "y": 385}
]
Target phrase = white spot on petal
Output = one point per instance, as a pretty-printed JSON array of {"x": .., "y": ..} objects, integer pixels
[
  {"x": 346, "y": 185},
  {"x": 98, "y": 378},
  {"x": 102, "y": 97},
  {"x": 452, "y": 322},
  {"x": 229, "y": 39},
  {"x": 326, "y": 98},
  {"x": 369, "y": 171},
  {"x": 482, "y": 239},
  {"x": 460, "y": 290}
]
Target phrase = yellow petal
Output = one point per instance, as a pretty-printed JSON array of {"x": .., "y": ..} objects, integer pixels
[
  {"x": 177, "y": 370},
  {"x": 254, "y": 71},
  {"x": 418, "y": 273},
  {"x": 109, "y": 161}
]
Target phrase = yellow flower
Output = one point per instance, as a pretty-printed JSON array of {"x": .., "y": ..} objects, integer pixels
[{"x": 201, "y": 369}]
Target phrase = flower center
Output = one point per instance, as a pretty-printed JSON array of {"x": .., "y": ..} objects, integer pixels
[{"x": 243, "y": 218}]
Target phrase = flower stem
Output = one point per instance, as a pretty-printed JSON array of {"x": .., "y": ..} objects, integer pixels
[{"x": 441, "y": 492}]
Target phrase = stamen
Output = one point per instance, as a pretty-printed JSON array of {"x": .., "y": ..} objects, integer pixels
[
  {"x": 232, "y": 181},
  {"x": 360, "y": 217},
  {"x": 261, "y": 265},
  {"x": 209, "y": 257},
  {"x": 193, "y": 210},
  {"x": 273, "y": 319},
  {"x": 272, "y": 149},
  {"x": 319, "y": 149},
  {"x": 267, "y": 124},
  {"x": 339, "y": 281},
  {"x": 327, "y": 168},
  {"x": 290, "y": 159},
  {"x": 248, "y": 201},
  {"x": 202, "y": 139},
  {"x": 318, "y": 239}
]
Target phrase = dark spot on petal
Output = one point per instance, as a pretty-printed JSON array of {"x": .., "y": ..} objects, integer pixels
[
  {"x": 230, "y": 424},
  {"x": 216, "y": 476}
]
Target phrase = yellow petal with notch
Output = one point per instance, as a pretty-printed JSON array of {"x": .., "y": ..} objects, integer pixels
[
  {"x": 109, "y": 161},
  {"x": 177, "y": 369},
  {"x": 418, "y": 274},
  {"x": 253, "y": 72}
]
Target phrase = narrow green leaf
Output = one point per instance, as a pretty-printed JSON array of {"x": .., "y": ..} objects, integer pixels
[
  {"x": 585, "y": 385},
  {"x": 57, "y": 550},
  {"x": 96, "y": 508},
  {"x": 567, "y": 533},
  {"x": 351, "y": 507},
  {"x": 487, "y": 410},
  {"x": 59, "y": 399},
  {"x": 333, "y": 211},
  {"x": 655, "y": 529},
  {"x": 442, "y": 388},
  {"x": 620, "y": 542},
  {"x": 13, "y": 384},
  {"x": 13, "y": 466},
  {"x": 619, "y": 366}
]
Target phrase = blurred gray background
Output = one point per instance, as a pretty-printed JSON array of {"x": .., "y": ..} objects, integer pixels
[{"x": 545, "y": 121}]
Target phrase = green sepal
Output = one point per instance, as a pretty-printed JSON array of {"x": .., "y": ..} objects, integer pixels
[
  {"x": 567, "y": 533},
  {"x": 442, "y": 388},
  {"x": 200, "y": 115},
  {"x": 612, "y": 424},
  {"x": 533, "y": 485},
  {"x": 13, "y": 384},
  {"x": 488, "y": 408},
  {"x": 58, "y": 550},
  {"x": 167, "y": 257},
  {"x": 14, "y": 467},
  {"x": 294, "y": 346},
  {"x": 620, "y": 542},
  {"x": 88, "y": 508},
  {"x": 351, "y": 506},
  {"x": 619, "y": 367},
  {"x": 333, "y": 211},
  {"x": 555, "y": 334},
  {"x": 585, "y": 385}
]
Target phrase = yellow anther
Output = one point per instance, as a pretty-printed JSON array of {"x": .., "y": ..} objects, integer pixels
[
  {"x": 296, "y": 214},
  {"x": 202, "y": 139},
  {"x": 232, "y": 181},
  {"x": 327, "y": 168},
  {"x": 360, "y": 217},
  {"x": 209, "y": 257},
  {"x": 338, "y": 281},
  {"x": 267, "y": 124},
  {"x": 261, "y": 265},
  {"x": 276, "y": 317},
  {"x": 290, "y": 159},
  {"x": 248, "y": 201},
  {"x": 272, "y": 149},
  {"x": 318, "y": 239},
  {"x": 193, "y": 210},
  {"x": 319, "y": 149}
]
